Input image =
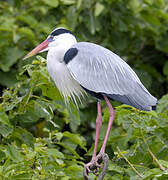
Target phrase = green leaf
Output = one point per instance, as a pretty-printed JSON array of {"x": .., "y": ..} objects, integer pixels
[
  {"x": 4, "y": 118},
  {"x": 58, "y": 135},
  {"x": 165, "y": 68},
  {"x": 21, "y": 176},
  {"x": 92, "y": 23},
  {"x": 27, "y": 33},
  {"x": 55, "y": 153},
  {"x": 2, "y": 155},
  {"x": 164, "y": 163},
  {"x": 153, "y": 113},
  {"x": 41, "y": 109},
  {"x": 29, "y": 20},
  {"x": 12, "y": 56},
  {"x": 75, "y": 139},
  {"x": 74, "y": 117},
  {"x": 113, "y": 167},
  {"x": 71, "y": 150},
  {"x": 5, "y": 130},
  {"x": 79, "y": 4},
  {"x": 163, "y": 104},
  {"x": 52, "y": 3},
  {"x": 68, "y": 2},
  {"x": 150, "y": 173},
  {"x": 23, "y": 136},
  {"x": 76, "y": 171},
  {"x": 161, "y": 44},
  {"x": 98, "y": 9},
  {"x": 72, "y": 17},
  {"x": 135, "y": 5},
  {"x": 150, "y": 18},
  {"x": 8, "y": 78},
  {"x": 14, "y": 154},
  {"x": 51, "y": 91}
]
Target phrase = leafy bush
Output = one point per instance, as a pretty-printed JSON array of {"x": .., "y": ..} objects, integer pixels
[
  {"x": 136, "y": 30},
  {"x": 138, "y": 139},
  {"x": 41, "y": 137}
]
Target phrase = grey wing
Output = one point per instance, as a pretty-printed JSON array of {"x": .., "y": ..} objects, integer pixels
[{"x": 100, "y": 70}]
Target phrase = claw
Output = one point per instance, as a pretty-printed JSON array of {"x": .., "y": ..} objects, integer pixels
[
  {"x": 85, "y": 173},
  {"x": 94, "y": 166},
  {"x": 98, "y": 165}
]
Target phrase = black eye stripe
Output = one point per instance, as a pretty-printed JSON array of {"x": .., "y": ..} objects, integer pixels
[{"x": 60, "y": 31}]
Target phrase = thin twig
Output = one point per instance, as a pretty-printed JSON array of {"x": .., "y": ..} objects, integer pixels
[
  {"x": 153, "y": 156},
  {"x": 40, "y": 98},
  {"x": 156, "y": 160},
  {"x": 119, "y": 151}
]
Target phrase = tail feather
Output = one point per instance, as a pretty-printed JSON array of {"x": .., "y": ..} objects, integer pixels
[{"x": 140, "y": 99}]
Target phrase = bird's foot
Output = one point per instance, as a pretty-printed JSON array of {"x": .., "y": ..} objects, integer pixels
[{"x": 94, "y": 165}]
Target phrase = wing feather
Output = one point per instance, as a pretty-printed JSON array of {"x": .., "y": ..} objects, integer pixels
[{"x": 100, "y": 70}]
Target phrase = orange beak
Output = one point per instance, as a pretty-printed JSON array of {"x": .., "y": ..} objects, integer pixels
[{"x": 38, "y": 49}]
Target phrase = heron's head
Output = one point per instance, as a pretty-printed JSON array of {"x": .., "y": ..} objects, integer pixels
[{"x": 58, "y": 37}]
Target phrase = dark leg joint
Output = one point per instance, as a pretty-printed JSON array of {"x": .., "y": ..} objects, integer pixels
[
  {"x": 104, "y": 158},
  {"x": 95, "y": 165}
]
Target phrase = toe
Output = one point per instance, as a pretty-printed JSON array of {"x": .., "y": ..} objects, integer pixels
[{"x": 85, "y": 173}]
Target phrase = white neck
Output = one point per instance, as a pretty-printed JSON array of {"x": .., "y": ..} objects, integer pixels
[
  {"x": 60, "y": 45},
  {"x": 58, "y": 70}
]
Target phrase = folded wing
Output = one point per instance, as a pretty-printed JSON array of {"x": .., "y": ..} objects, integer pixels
[{"x": 99, "y": 70}]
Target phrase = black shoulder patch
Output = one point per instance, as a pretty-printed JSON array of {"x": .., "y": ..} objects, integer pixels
[
  {"x": 60, "y": 31},
  {"x": 70, "y": 54}
]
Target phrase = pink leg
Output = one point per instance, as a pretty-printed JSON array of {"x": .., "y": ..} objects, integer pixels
[
  {"x": 102, "y": 157},
  {"x": 112, "y": 113},
  {"x": 98, "y": 127}
]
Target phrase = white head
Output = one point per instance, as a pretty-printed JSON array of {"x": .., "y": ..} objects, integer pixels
[{"x": 59, "y": 37}]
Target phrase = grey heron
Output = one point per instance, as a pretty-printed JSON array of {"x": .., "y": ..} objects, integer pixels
[{"x": 82, "y": 67}]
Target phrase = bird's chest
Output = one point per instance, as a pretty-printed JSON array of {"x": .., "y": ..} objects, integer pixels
[
  {"x": 57, "y": 69},
  {"x": 61, "y": 76}
]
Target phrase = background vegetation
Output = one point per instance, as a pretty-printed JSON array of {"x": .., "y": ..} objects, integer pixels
[{"x": 40, "y": 138}]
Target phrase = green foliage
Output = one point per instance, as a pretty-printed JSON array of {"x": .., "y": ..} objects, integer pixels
[
  {"x": 134, "y": 29},
  {"x": 41, "y": 137},
  {"x": 137, "y": 140}
]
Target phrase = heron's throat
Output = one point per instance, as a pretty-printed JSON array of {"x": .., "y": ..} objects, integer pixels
[
  {"x": 62, "y": 77},
  {"x": 60, "y": 47},
  {"x": 60, "y": 73}
]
